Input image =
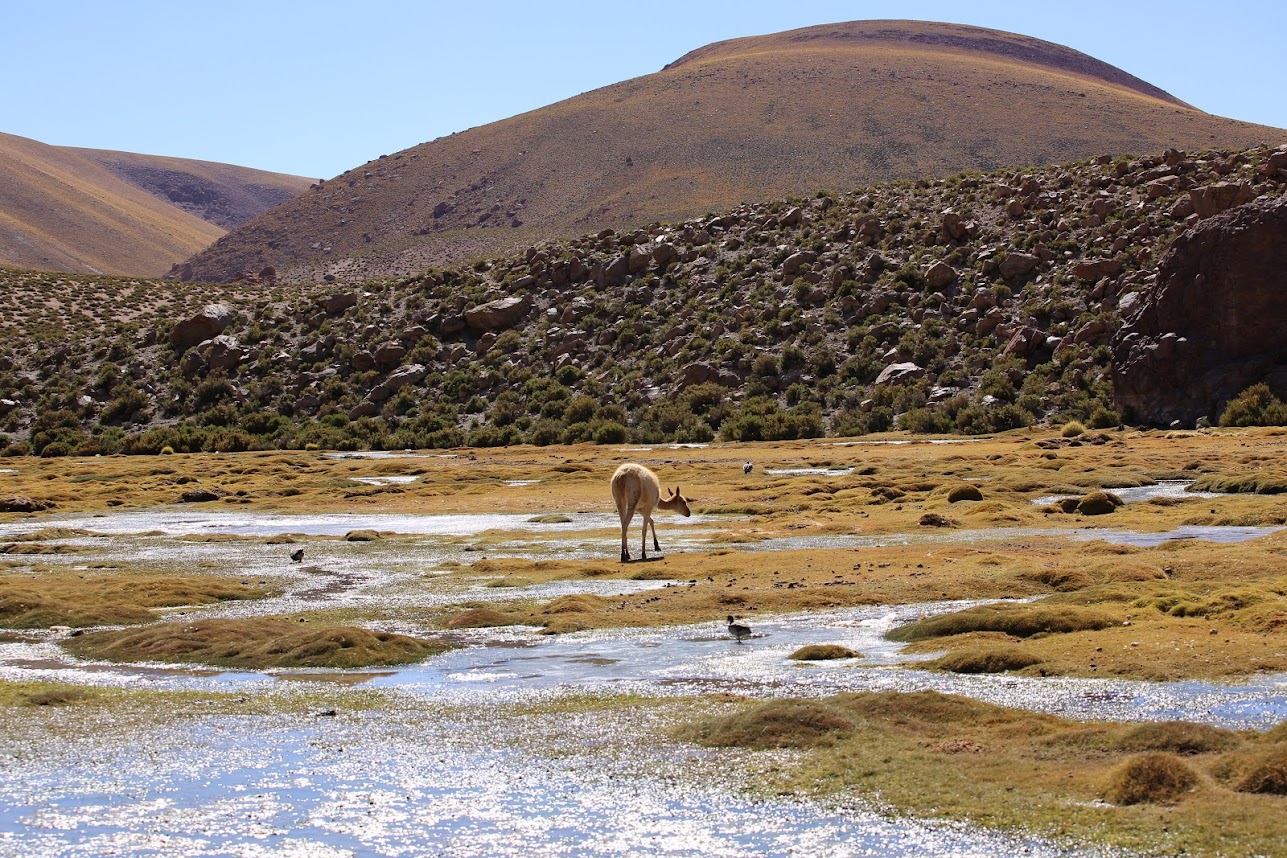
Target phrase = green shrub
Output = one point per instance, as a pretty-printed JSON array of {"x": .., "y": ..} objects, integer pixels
[{"x": 1255, "y": 406}]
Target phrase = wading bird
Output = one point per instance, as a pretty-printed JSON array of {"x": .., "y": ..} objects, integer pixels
[{"x": 740, "y": 631}]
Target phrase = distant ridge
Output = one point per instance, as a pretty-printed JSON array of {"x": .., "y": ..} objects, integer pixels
[
  {"x": 98, "y": 212},
  {"x": 223, "y": 194},
  {"x": 959, "y": 37},
  {"x": 836, "y": 106}
]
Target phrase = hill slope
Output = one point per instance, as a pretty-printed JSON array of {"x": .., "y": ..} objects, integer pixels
[
  {"x": 223, "y": 194},
  {"x": 971, "y": 304},
  {"x": 89, "y": 211},
  {"x": 836, "y": 106}
]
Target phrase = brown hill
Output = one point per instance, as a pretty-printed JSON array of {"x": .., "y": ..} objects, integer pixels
[
  {"x": 89, "y": 211},
  {"x": 223, "y": 194},
  {"x": 836, "y": 106}
]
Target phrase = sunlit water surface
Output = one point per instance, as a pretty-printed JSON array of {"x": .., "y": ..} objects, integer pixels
[{"x": 444, "y": 766}]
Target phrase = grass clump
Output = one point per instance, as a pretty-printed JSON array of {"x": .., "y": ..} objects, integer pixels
[
  {"x": 1268, "y": 776},
  {"x": 1258, "y": 483},
  {"x": 1178, "y": 737},
  {"x": 1155, "y": 778},
  {"x": 778, "y": 724},
  {"x": 1098, "y": 503},
  {"x": 36, "y": 694},
  {"x": 480, "y": 618},
  {"x": 991, "y": 660},
  {"x": 1072, "y": 429},
  {"x": 256, "y": 644},
  {"x": 66, "y": 599},
  {"x": 823, "y": 652},
  {"x": 964, "y": 492},
  {"x": 1020, "y": 621}
]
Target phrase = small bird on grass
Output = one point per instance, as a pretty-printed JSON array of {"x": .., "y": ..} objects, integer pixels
[
  {"x": 297, "y": 555},
  {"x": 746, "y": 469},
  {"x": 740, "y": 631}
]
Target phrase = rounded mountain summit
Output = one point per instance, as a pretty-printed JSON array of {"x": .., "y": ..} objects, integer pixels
[{"x": 836, "y": 106}]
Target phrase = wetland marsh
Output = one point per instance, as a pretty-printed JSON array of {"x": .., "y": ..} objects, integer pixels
[{"x": 459, "y": 664}]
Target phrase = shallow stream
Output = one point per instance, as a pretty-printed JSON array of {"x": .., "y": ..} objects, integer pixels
[{"x": 446, "y": 763}]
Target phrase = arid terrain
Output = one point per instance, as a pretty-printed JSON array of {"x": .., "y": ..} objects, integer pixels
[
  {"x": 836, "y": 107},
  {"x": 1037, "y": 607},
  {"x": 91, "y": 211},
  {"x": 977, "y": 303},
  {"x": 307, "y": 546}
]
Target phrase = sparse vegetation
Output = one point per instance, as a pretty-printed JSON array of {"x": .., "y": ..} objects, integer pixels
[
  {"x": 390, "y": 364},
  {"x": 258, "y": 644}
]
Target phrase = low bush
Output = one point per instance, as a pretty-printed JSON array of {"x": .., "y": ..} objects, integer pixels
[{"x": 1154, "y": 777}]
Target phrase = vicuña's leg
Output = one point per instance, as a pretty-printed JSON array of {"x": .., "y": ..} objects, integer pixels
[
  {"x": 626, "y": 515},
  {"x": 643, "y": 543},
  {"x": 655, "y": 546}
]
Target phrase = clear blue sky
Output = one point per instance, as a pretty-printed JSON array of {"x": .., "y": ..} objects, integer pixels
[{"x": 314, "y": 88}]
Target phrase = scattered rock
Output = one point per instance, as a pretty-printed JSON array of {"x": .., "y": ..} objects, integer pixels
[
  {"x": 22, "y": 503},
  {"x": 497, "y": 315},
  {"x": 200, "y": 495},
  {"x": 206, "y": 325}
]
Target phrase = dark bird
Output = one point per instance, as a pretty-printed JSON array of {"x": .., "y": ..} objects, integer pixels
[
  {"x": 746, "y": 469},
  {"x": 740, "y": 631},
  {"x": 297, "y": 555}
]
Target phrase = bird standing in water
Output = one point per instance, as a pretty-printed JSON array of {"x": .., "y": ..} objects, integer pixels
[{"x": 740, "y": 631}]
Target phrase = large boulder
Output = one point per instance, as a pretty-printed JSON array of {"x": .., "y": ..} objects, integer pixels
[
  {"x": 206, "y": 325},
  {"x": 1211, "y": 324},
  {"x": 897, "y": 373},
  {"x": 497, "y": 315}
]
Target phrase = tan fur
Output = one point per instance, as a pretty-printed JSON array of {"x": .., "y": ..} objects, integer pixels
[{"x": 637, "y": 489}]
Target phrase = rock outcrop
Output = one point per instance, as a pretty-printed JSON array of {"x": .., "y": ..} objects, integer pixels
[
  {"x": 206, "y": 325},
  {"x": 1212, "y": 323}
]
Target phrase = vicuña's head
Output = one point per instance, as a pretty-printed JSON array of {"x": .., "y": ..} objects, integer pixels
[{"x": 678, "y": 503}]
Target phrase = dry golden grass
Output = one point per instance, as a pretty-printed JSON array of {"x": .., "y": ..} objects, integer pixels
[
  {"x": 64, "y": 209},
  {"x": 99, "y": 597},
  {"x": 823, "y": 652},
  {"x": 932, "y": 753},
  {"x": 72, "y": 214},
  {"x": 1173, "y": 597},
  {"x": 254, "y": 644},
  {"x": 1155, "y": 777}
]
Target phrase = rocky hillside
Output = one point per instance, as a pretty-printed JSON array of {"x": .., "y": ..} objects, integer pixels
[
  {"x": 90, "y": 211},
  {"x": 222, "y": 194},
  {"x": 837, "y": 106},
  {"x": 975, "y": 303}
]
